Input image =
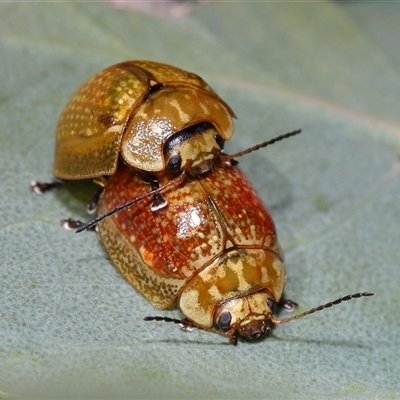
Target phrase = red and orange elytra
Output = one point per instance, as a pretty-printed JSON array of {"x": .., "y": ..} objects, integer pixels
[
  {"x": 213, "y": 249},
  {"x": 178, "y": 218}
]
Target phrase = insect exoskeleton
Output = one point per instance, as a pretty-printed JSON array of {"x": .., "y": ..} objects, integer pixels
[
  {"x": 200, "y": 237},
  {"x": 213, "y": 249},
  {"x": 155, "y": 116}
]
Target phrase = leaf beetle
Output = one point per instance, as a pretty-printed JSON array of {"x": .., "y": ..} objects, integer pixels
[
  {"x": 213, "y": 251},
  {"x": 155, "y": 116},
  {"x": 200, "y": 237}
]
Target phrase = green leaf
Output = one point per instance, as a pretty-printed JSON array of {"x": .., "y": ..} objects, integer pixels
[{"x": 71, "y": 327}]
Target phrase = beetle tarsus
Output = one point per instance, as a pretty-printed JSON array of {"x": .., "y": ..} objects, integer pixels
[
  {"x": 158, "y": 202},
  {"x": 72, "y": 224},
  {"x": 43, "y": 187},
  {"x": 92, "y": 205},
  {"x": 288, "y": 305}
]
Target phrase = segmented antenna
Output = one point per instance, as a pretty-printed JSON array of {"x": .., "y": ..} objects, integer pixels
[
  {"x": 227, "y": 157},
  {"x": 322, "y": 307},
  {"x": 232, "y": 333}
]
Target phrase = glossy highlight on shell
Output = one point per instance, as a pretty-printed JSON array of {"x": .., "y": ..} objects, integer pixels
[
  {"x": 212, "y": 247},
  {"x": 131, "y": 109},
  {"x": 196, "y": 234}
]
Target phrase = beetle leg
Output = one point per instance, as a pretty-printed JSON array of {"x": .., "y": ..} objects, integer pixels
[
  {"x": 158, "y": 200},
  {"x": 92, "y": 205},
  {"x": 187, "y": 326},
  {"x": 288, "y": 305},
  {"x": 73, "y": 224},
  {"x": 43, "y": 187},
  {"x": 101, "y": 182}
]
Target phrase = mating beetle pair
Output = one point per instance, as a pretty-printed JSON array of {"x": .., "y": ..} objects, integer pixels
[{"x": 178, "y": 219}]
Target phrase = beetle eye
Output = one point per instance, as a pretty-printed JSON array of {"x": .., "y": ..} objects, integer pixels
[
  {"x": 174, "y": 164},
  {"x": 272, "y": 305},
  {"x": 224, "y": 321}
]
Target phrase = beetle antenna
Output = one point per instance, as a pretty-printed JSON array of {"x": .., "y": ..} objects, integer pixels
[
  {"x": 227, "y": 157},
  {"x": 322, "y": 307},
  {"x": 120, "y": 207},
  {"x": 184, "y": 324},
  {"x": 187, "y": 325}
]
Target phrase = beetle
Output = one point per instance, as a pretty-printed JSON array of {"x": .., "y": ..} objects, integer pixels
[
  {"x": 213, "y": 250},
  {"x": 152, "y": 115},
  {"x": 200, "y": 237}
]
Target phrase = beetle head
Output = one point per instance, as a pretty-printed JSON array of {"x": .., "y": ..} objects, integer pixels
[
  {"x": 253, "y": 326},
  {"x": 193, "y": 150},
  {"x": 247, "y": 316}
]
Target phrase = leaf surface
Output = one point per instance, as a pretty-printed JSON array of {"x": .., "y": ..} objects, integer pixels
[{"x": 72, "y": 327}]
